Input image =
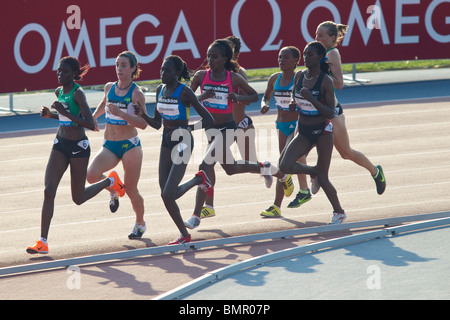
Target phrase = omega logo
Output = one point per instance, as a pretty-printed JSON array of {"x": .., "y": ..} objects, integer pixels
[{"x": 269, "y": 45}]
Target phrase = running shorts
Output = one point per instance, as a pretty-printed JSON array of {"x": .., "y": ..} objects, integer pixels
[
  {"x": 72, "y": 148},
  {"x": 119, "y": 148}
]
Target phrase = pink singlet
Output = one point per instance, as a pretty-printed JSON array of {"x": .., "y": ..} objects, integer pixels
[{"x": 220, "y": 102}]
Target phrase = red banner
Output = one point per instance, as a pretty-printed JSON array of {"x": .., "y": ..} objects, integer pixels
[{"x": 37, "y": 33}]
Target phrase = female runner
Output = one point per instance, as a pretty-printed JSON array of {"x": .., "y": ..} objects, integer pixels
[
  {"x": 218, "y": 95},
  {"x": 330, "y": 35},
  {"x": 173, "y": 101},
  {"x": 121, "y": 138},
  {"x": 71, "y": 146},
  {"x": 280, "y": 85},
  {"x": 245, "y": 134},
  {"x": 314, "y": 97}
]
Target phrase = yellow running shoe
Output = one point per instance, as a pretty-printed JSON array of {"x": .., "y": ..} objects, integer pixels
[
  {"x": 272, "y": 212},
  {"x": 39, "y": 247},
  {"x": 288, "y": 186},
  {"x": 207, "y": 212}
]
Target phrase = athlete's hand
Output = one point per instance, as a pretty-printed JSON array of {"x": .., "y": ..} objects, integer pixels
[
  {"x": 45, "y": 113},
  {"x": 264, "y": 109},
  {"x": 138, "y": 110},
  {"x": 233, "y": 97},
  {"x": 114, "y": 109},
  {"x": 292, "y": 106},
  {"x": 210, "y": 93},
  {"x": 58, "y": 107},
  {"x": 306, "y": 94},
  {"x": 96, "y": 125}
]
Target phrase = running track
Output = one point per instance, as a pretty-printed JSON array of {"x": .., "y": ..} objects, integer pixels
[{"x": 408, "y": 138}]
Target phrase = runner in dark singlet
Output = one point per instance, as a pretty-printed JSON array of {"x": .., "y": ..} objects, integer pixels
[{"x": 313, "y": 95}]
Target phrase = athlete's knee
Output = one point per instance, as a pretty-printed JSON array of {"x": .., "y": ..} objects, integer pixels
[
  {"x": 78, "y": 199},
  {"x": 49, "y": 193},
  {"x": 208, "y": 169},
  {"x": 168, "y": 194},
  {"x": 205, "y": 167},
  {"x": 285, "y": 165},
  {"x": 322, "y": 178},
  {"x": 93, "y": 176},
  {"x": 346, "y": 154},
  {"x": 132, "y": 193},
  {"x": 230, "y": 169}
]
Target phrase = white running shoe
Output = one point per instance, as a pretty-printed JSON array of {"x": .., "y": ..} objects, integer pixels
[
  {"x": 266, "y": 173},
  {"x": 193, "y": 222},
  {"x": 338, "y": 218},
  {"x": 138, "y": 231},
  {"x": 113, "y": 202}
]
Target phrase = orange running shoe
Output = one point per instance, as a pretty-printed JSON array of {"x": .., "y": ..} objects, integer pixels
[
  {"x": 39, "y": 247},
  {"x": 118, "y": 184}
]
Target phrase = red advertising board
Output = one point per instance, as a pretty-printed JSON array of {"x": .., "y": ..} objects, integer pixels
[{"x": 37, "y": 33}]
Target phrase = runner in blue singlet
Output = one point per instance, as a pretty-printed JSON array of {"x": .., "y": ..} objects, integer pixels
[
  {"x": 280, "y": 85},
  {"x": 121, "y": 142}
]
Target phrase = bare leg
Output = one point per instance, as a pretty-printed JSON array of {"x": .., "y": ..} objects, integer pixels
[
  {"x": 342, "y": 144},
  {"x": 132, "y": 162},
  {"x": 57, "y": 165}
]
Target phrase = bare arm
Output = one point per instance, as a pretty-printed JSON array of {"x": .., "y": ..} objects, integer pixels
[
  {"x": 293, "y": 104},
  {"x": 239, "y": 81},
  {"x": 46, "y": 113},
  {"x": 189, "y": 98},
  {"x": 156, "y": 121},
  {"x": 268, "y": 93},
  {"x": 334, "y": 61},
  {"x": 196, "y": 82}
]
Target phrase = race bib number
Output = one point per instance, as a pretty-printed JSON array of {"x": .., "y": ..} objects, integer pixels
[{"x": 220, "y": 99}]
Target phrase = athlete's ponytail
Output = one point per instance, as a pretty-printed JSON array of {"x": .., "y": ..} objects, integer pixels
[
  {"x": 181, "y": 66},
  {"x": 74, "y": 64},
  {"x": 335, "y": 29},
  {"x": 227, "y": 52}
]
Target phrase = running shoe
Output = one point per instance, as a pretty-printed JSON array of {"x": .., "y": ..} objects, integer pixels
[
  {"x": 113, "y": 202},
  {"x": 180, "y": 240},
  {"x": 315, "y": 186},
  {"x": 301, "y": 198},
  {"x": 288, "y": 186},
  {"x": 118, "y": 185},
  {"x": 338, "y": 218},
  {"x": 266, "y": 174},
  {"x": 207, "y": 212},
  {"x": 39, "y": 247},
  {"x": 272, "y": 212},
  {"x": 380, "y": 180},
  {"x": 193, "y": 222},
  {"x": 206, "y": 185},
  {"x": 138, "y": 231}
]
